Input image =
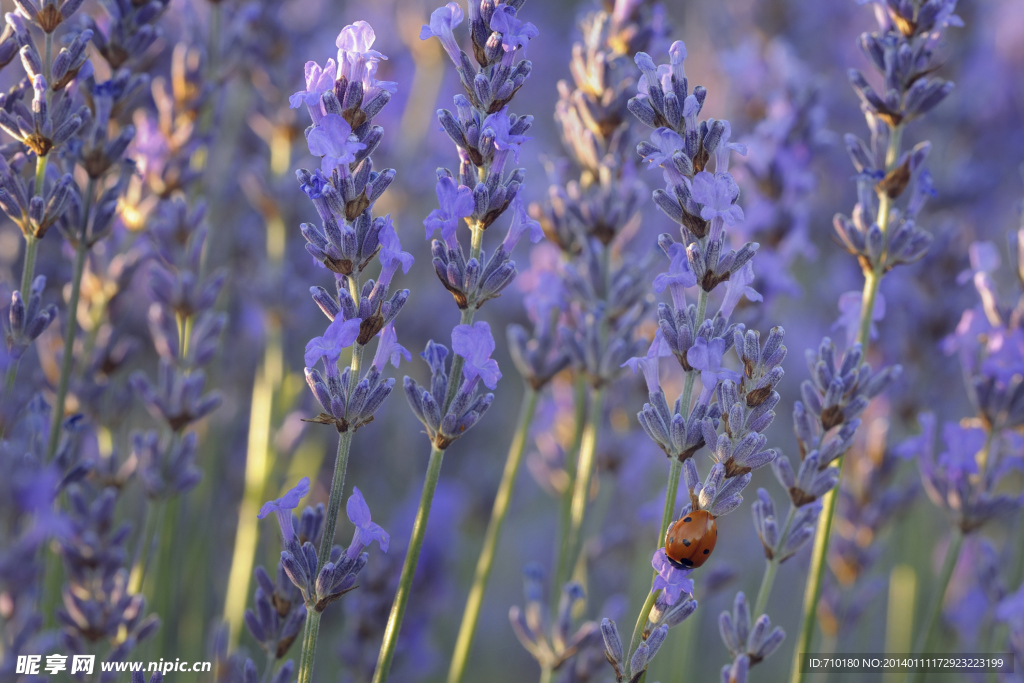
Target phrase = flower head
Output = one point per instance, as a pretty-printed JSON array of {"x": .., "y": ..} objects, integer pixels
[
  {"x": 671, "y": 580},
  {"x": 340, "y": 334},
  {"x": 332, "y": 140},
  {"x": 442, "y": 21},
  {"x": 283, "y": 507},
  {"x": 367, "y": 530},
  {"x": 475, "y": 344},
  {"x": 318, "y": 81},
  {"x": 456, "y": 201}
]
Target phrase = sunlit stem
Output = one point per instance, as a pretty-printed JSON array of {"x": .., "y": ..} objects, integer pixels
[
  {"x": 387, "y": 650},
  {"x": 872, "y": 281},
  {"x": 471, "y": 615}
]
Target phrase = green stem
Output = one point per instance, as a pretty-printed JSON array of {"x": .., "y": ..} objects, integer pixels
[
  {"x": 471, "y": 615},
  {"x": 581, "y": 490},
  {"x": 28, "y": 271},
  {"x": 387, "y": 650},
  {"x": 67, "y": 360},
  {"x": 309, "y": 636},
  {"x": 641, "y": 621},
  {"x": 931, "y": 620},
  {"x": 772, "y": 566},
  {"x": 571, "y": 456},
  {"x": 869, "y": 296},
  {"x": 68, "y": 356},
  {"x": 546, "y": 672},
  {"x": 138, "y": 571}
]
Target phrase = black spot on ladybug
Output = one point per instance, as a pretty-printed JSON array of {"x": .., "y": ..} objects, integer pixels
[
  {"x": 688, "y": 519},
  {"x": 706, "y": 551},
  {"x": 686, "y": 542}
]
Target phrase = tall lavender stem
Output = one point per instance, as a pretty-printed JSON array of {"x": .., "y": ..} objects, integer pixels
[{"x": 884, "y": 172}]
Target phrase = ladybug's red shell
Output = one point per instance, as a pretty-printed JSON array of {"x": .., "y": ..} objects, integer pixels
[{"x": 691, "y": 540}]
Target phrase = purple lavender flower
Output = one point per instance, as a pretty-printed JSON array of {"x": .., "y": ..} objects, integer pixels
[
  {"x": 332, "y": 140},
  {"x": 357, "y": 62},
  {"x": 388, "y": 348},
  {"x": 521, "y": 222},
  {"x": 318, "y": 81},
  {"x": 456, "y": 201},
  {"x": 649, "y": 364},
  {"x": 442, "y": 22},
  {"x": 367, "y": 530},
  {"x": 717, "y": 193},
  {"x": 340, "y": 334},
  {"x": 499, "y": 126},
  {"x": 475, "y": 344},
  {"x": 738, "y": 287},
  {"x": 672, "y": 580},
  {"x": 515, "y": 34},
  {"x": 283, "y": 506},
  {"x": 706, "y": 357}
]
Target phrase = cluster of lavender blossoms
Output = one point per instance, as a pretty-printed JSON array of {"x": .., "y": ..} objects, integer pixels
[
  {"x": 881, "y": 236},
  {"x": 733, "y": 408},
  {"x": 342, "y": 97},
  {"x": 76, "y": 129},
  {"x": 485, "y": 187}
]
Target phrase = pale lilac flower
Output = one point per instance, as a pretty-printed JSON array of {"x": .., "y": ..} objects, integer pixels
[
  {"x": 367, "y": 530},
  {"x": 340, "y": 334},
  {"x": 318, "y": 81},
  {"x": 849, "y": 315},
  {"x": 388, "y": 348},
  {"x": 521, "y": 222},
  {"x": 455, "y": 202},
  {"x": 475, "y": 344},
  {"x": 442, "y": 21},
  {"x": 283, "y": 507},
  {"x": 671, "y": 580},
  {"x": 332, "y": 139},
  {"x": 707, "y": 357},
  {"x": 737, "y": 287}
]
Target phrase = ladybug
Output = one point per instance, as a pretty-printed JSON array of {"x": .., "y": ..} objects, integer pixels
[{"x": 691, "y": 540}]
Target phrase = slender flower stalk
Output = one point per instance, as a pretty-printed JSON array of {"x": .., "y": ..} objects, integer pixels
[
  {"x": 467, "y": 630},
  {"x": 487, "y": 137},
  {"x": 882, "y": 237},
  {"x": 342, "y": 97}
]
